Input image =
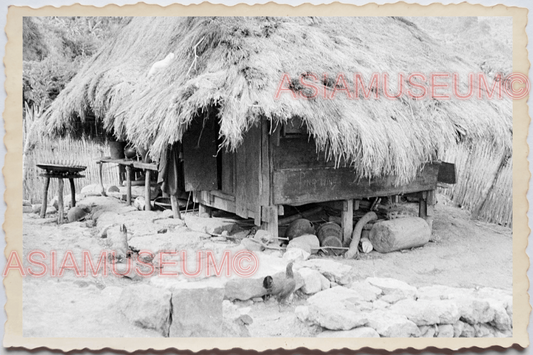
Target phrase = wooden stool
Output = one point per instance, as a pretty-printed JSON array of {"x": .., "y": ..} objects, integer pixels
[
  {"x": 60, "y": 177},
  {"x": 124, "y": 162}
]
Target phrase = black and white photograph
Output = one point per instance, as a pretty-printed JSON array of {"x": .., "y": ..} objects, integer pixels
[{"x": 291, "y": 177}]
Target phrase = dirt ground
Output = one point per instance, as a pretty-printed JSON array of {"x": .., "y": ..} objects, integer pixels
[{"x": 464, "y": 253}]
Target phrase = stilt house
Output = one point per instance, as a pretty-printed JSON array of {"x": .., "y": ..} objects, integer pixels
[{"x": 270, "y": 112}]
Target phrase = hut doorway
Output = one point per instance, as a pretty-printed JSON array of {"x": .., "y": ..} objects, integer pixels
[{"x": 200, "y": 163}]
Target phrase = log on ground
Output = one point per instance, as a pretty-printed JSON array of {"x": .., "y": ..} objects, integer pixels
[{"x": 401, "y": 233}]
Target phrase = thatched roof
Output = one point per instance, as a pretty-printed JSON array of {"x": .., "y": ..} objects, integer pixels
[{"x": 236, "y": 64}]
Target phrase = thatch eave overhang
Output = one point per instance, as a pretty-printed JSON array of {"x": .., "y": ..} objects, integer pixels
[{"x": 236, "y": 64}]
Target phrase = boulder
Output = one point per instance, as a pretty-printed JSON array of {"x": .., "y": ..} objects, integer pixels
[
  {"x": 445, "y": 331},
  {"x": 146, "y": 307},
  {"x": 295, "y": 254},
  {"x": 307, "y": 242},
  {"x": 197, "y": 312},
  {"x": 392, "y": 286},
  {"x": 427, "y": 331},
  {"x": 458, "y": 328},
  {"x": 338, "y": 308},
  {"x": 474, "y": 311},
  {"x": 468, "y": 331},
  {"x": 325, "y": 282},
  {"x": 35, "y": 208},
  {"x": 503, "y": 296},
  {"x": 427, "y": 312},
  {"x": 312, "y": 280},
  {"x": 27, "y": 209},
  {"x": 77, "y": 213},
  {"x": 361, "y": 332},
  {"x": 483, "y": 331},
  {"x": 26, "y": 203},
  {"x": 331, "y": 316},
  {"x": 366, "y": 290},
  {"x": 332, "y": 270},
  {"x": 244, "y": 289},
  {"x": 209, "y": 225},
  {"x": 392, "y": 325},
  {"x": 501, "y": 321}
]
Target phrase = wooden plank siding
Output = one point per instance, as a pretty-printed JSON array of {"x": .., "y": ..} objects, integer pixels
[
  {"x": 298, "y": 152},
  {"x": 228, "y": 167},
  {"x": 248, "y": 172},
  {"x": 306, "y": 185}
]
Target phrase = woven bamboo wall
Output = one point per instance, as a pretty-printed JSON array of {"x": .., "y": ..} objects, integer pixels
[
  {"x": 480, "y": 188},
  {"x": 83, "y": 152}
]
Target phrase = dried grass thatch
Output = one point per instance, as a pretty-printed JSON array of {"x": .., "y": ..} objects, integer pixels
[{"x": 236, "y": 64}]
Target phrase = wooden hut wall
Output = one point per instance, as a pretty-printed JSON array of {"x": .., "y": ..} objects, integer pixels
[
  {"x": 248, "y": 174},
  {"x": 302, "y": 175}
]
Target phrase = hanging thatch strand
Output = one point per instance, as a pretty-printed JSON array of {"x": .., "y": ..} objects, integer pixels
[{"x": 236, "y": 65}]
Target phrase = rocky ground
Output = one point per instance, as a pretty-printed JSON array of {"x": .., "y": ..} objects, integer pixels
[{"x": 459, "y": 284}]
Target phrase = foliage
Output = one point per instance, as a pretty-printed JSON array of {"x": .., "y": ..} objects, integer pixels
[{"x": 55, "y": 48}]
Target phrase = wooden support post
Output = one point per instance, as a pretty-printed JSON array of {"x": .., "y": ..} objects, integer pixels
[
  {"x": 175, "y": 206},
  {"x": 257, "y": 215},
  {"x": 60, "y": 204},
  {"x": 430, "y": 207},
  {"x": 272, "y": 224},
  {"x": 204, "y": 210},
  {"x": 422, "y": 204},
  {"x": 100, "y": 173},
  {"x": 147, "y": 190},
  {"x": 45, "y": 197},
  {"x": 128, "y": 184},
  {"x": 356, "y": 205},
  {"x": 72, "y": 193},
  {"x": 347, "y": 220}
]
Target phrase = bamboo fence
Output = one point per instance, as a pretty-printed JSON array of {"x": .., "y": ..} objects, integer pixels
[
  {"x": 83, "y": 152},
  {"x": 484, "y": 184}
]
